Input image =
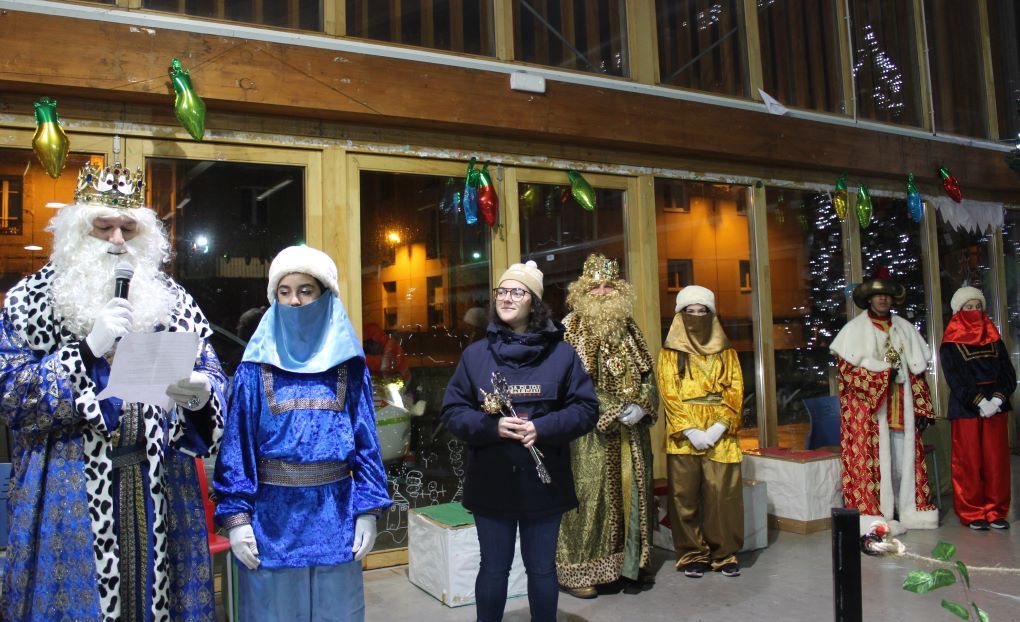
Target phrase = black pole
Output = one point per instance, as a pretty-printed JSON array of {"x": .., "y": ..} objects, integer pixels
[{"x": 846, "y": 564}]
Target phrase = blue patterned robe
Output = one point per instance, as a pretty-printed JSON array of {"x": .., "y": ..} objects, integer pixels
[
  {"x": 89, "y": 541},
  {"x": 300, "y": 417}
]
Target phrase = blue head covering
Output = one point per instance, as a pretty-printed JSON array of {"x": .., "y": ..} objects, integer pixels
[{"x": 308, "y": 339}]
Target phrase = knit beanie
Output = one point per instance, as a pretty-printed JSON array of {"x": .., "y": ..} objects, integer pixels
[
  {"x": 306, "y": 260},
  {"x": 695, "y": 295},
  {"x": 527, "y": 273},
  {"x": 964, "y": 294}
]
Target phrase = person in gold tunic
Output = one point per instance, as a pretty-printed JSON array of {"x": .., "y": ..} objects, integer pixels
[
  {"x": 608, "y": 538},
  {"x": 702, "y": 389}
]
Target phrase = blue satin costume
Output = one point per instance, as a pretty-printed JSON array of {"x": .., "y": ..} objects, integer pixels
[
  {"x": 302, "y": 394},
  {"x": 147, "y": 519}
]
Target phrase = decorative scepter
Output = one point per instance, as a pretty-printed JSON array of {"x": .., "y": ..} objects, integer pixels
[{"x": 498, "y": 403}]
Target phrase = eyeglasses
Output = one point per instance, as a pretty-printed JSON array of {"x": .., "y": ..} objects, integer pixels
[{"x": 516, "y": 294}]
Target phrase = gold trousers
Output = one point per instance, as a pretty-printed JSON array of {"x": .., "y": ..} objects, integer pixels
[{"x": 706, "y": 510}]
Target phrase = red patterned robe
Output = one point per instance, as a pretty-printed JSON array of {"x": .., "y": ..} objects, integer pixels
[{"x": 866, "y": 392}]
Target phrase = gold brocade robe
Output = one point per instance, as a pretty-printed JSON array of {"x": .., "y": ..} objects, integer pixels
[
  {"x": 609, "y": 535},
  {"x": 711, "y": 391}
]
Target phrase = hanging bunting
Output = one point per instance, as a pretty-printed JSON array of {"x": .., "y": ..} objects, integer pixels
[
  {"x": 951, "y": 184},
  {"x": 914, "y": 205},
  {"x": 581, "y": 190},
  {"x": 49, "y": 143},
  {"x": 864, "y": 208},
  {"x": 488, "y": 200},
  {"x": 840, "y": 198},
  {"x": 188, "y": 106}
]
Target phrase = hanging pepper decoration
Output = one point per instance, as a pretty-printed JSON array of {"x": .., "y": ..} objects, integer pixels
[
  {"x": 528, "y": 200},
  {"x": 446, "y": 201},
  {"x": 914, "y": 205},
  {"x": 550, "y": 201},
  {"x": 470, "y": 199},
  {"x": 864, "y": 208},
  {"x": 488, "y": 200},
  {"x": 50, "y": 143},
  {"x": 951, "y": 184},
  {"x": 188, "y": 106},
  {"x": 839, "y": 200},
  {"x": 581, "y": 190}
]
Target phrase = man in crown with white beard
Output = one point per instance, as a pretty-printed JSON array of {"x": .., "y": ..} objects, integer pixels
[{"x": 107, "y": 520}]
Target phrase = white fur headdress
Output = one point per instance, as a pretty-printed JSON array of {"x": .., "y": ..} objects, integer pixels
[
  {"x": 695, "y": 295},
  {"x": 306, "y": 260},
  {"x": 964, "y": 294}
]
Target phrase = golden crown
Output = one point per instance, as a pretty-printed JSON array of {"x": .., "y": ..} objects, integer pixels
[
  {"x": 114, "y": 187},
  {"x": 600, "y": 269}
]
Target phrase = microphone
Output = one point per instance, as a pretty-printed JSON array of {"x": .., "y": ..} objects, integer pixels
[{"x": 122, "y": 274}]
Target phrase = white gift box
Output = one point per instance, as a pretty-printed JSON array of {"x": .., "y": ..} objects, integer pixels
[
  {"x": 756, "y": 528},
  {"x": 443, "y": 559},
  {"x": 803, "y": 486}
]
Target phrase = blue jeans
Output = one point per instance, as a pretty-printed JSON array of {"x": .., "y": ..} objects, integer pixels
[{"x": 496, "y": 537}]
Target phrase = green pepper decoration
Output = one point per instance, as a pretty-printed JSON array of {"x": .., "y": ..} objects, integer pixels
[
  {"x": 581, "y": 190},
  {"x": 864, "y": 209},
  {"x": 50, "y": 143},
  {"x": 188, "y": 106}
]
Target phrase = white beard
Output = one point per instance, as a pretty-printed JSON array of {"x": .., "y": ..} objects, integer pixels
[{"x": 83, "y": 282}]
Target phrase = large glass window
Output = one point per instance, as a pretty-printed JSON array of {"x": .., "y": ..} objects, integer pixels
[
  {"x": 955, "y": 61},
  {"x": 808, "y": 302},
  {"x": 227, "y": 221},
  {"x": 701, "y": 45},
  {"x": 893, "y": 241},
  {"x": 703, "y": 239},
  {"x": 587, "y": 35},
  {"x": 425, "y": 297},
  {"x": 297, "y": 14},
  {"x": 963, "y": 260},
  {"x": 558, "y": 234},
  {"x": 883, "y": 40},
  {"x": 437, "y": 24},
  {"x": 1011, "y": 243},
  {"x": 800, "y": 53},
  {"x": 1004, "y": 30}
]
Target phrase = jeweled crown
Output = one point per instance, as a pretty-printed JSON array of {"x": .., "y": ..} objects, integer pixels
[
  {"x": 600, "y": 269},
  {"x": 113, "y": 187}
]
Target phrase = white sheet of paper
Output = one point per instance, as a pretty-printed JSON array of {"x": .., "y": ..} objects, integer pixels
[{"x": 145, "y": 364}]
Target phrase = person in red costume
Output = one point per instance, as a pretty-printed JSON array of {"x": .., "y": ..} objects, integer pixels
[
  {"x": 383, "y": 354},
  {"x": 981, "y": 380},
  {"x": 884, "y": 405}
]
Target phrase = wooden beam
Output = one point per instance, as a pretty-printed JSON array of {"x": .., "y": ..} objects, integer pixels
[
  {"x": 642, "y": 41},
  {"x": 987, "y": 69}
]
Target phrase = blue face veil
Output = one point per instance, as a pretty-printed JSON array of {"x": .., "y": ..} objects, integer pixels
[{"x": 308, "y": 339}]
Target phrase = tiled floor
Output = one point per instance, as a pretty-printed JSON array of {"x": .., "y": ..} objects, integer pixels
[{"x": 790, "y": 580}]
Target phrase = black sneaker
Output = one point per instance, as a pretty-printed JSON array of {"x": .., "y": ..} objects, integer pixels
[
  {"x": 1001, "y": 523},
  {"x": 731, "y": 569},
  {"x": 631, "y": 587},
  {"x": 980, "y": 525},
  {"x": 695, "y": 570}
]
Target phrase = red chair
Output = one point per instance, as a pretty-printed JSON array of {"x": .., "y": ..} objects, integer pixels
[{"x": 217, "y": 543}]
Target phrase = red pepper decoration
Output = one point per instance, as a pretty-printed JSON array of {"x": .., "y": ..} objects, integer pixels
[
  {"x": 488, "y": 200},
  {"x": 951, "y": 185}
]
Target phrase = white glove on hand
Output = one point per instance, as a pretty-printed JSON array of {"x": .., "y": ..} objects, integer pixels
[
  {"x": 244, "y": 547},
  {"x": 192, "y": 393},
  {"x": 988, "y": 407},
  {"x": 364, "y": 536},
  {"x": 112, "y": 321},
  {"x": 714, "y": 433},
  {"x": 632, "y": 413},
  {"x": 698, "y": 438}
]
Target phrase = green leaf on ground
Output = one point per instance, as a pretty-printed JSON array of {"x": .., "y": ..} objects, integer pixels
[
  {"x": 962, "y": 569},
  {"x": 981, "y": 615},
  {"x": 943, "y": 551},
  {"x": 957, "y": 608},
  {"x": 942, "y": 578},
  {"x": 918, "y": 582}
]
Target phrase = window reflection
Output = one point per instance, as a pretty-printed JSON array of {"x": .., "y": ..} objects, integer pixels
[
  {"x": 800, "y": 53},
  {"x": 893, "y": 241},
  {"x": 1004, "y": 31},
  {"x": 425, "y": 295},
  {"x": 558, "y": 234},
  {"x": 1011, "y": 242},
  {"x": 808, "y": 302},
  {"x": 955, "y": 61},
  {"x": 436, "y": 24},
  {"x": 297, "y": 14},
  {"x": 963, "y": 260},
  {"x": 883, "y": 40},
  {"x": 587, "y": 35},
  {"x": 227, "y": 221},
  {"x": 701, "y": 45},
  {"x": 704, "y": 226}
]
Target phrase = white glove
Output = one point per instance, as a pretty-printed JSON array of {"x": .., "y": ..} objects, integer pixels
[
  {"x": 244, "y": 547},
  {"x": 112, "y": 321},
  {"x": 632, "y": 413},
  {"x": 192, "y": 393},
  {"x": 714, "y": 433},
  {"x": 698, "y": 438},
  {"x": 988, "y": 407},
  {"x": 364, "y": 536}
]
